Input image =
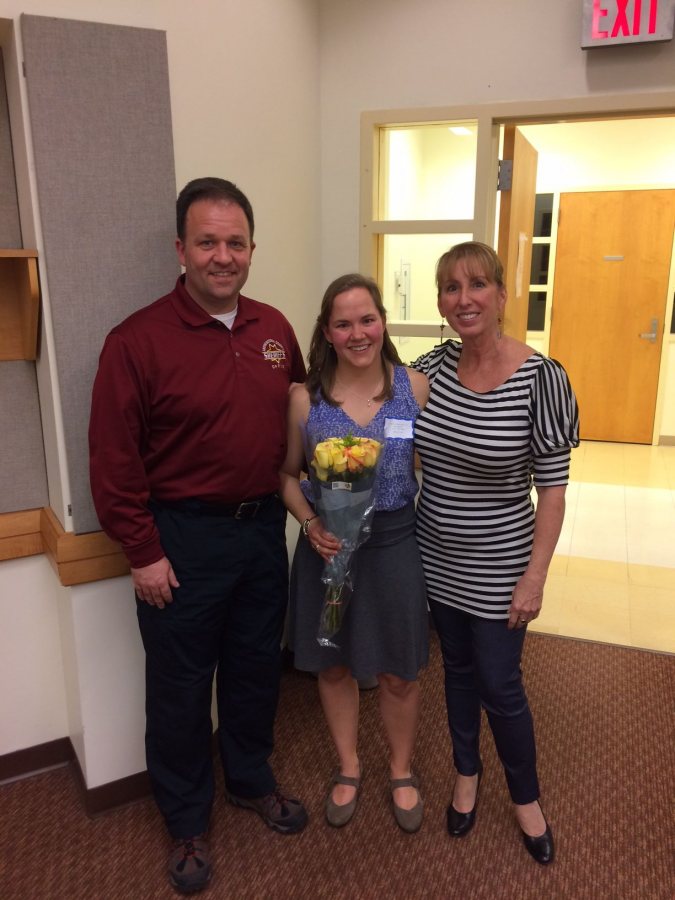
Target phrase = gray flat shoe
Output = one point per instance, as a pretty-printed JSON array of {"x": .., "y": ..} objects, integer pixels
[
  {"x": 410, "y": 820},
  {"x": 338, "y": 815}
]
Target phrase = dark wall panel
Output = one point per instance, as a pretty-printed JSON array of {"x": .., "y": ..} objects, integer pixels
[
  {"x": 101, "y": 125},
  {"x": 10, "y": 230},
  {"x": 23, "y": 477}
]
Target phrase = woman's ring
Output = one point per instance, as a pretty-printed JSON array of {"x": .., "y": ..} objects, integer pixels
[
  {"x": 316, "y": 547},
  {"x": 524, "y": 621}
]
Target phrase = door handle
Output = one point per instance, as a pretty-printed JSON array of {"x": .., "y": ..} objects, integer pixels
[{"x": 650, "y": 335}]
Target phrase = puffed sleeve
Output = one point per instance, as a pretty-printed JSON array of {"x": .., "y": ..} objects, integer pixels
[
  {"x": 555, "y": 424},
  {"x": 429, "y": 363}
]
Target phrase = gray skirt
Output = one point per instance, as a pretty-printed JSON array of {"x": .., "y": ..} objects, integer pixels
[{"x": 386, "y": 623}]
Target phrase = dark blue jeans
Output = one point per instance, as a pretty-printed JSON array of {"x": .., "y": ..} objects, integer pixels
[
  {"x": 481, "y": 658},
  {"x": 226, "y": 617}
]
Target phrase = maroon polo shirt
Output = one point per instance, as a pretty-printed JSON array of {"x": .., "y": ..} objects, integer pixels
[{"x": 184, "y": 408}]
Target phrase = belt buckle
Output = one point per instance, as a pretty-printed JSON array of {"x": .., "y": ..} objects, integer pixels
[{"x": 248, "y": 509}]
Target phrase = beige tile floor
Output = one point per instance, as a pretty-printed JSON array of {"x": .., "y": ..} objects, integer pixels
[{"x": 612, "y": 577}]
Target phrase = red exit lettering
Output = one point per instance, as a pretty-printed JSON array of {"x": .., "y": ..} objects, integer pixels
[{"x": 622, "y": 25}]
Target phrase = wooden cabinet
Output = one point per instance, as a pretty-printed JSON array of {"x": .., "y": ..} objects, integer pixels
[{"x": 19, "y": 304}]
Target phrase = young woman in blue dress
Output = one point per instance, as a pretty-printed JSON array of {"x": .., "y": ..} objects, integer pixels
[{"x": 356, "y": 384}]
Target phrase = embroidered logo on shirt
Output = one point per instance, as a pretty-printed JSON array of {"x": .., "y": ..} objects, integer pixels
[{"x": 274, "y": 352}]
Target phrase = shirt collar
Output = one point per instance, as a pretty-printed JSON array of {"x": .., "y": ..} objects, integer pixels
[{"x": 192, "y": 313}]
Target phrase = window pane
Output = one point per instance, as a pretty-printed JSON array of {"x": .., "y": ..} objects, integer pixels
[
  {"x": 408, "y": 278},
  {"x": 536, "y": 313},
  {"x": 543, "y": 215},
  {"x": 428, "y": 171},
  {"x": 540, "y": 259}
]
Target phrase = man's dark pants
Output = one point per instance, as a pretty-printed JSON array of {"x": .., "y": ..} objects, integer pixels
[{"x": 227, "y": 615}]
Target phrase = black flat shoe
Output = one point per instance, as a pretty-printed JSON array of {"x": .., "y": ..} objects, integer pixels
[
  {"x": 540, "y": 848},
  {"x": 459, "y": 823}
]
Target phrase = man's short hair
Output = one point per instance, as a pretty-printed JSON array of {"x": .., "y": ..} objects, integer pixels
[{"x": 210, "y": 189}]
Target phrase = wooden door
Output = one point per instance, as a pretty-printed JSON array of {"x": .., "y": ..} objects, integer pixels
[
  {"x": 609, "y": 294},
  {"x": 516, "y": 224}
]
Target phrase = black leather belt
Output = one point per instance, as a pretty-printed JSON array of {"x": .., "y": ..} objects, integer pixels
[{"x": 247, "y": 509}]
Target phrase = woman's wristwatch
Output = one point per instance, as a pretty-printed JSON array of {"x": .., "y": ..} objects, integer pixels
[{"x": 305, "y": 525}]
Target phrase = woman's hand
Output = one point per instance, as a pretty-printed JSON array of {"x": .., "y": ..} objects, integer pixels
[
  {"x": 322, "y": 541},
  {"x": 528, "y": 593},
  {"x": 526, "y": 600}
]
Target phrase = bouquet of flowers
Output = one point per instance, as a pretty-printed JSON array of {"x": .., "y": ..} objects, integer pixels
[{"x": 342, "y": 474}]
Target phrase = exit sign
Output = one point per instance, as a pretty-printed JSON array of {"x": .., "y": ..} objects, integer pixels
[{"x": 607, "y": 22}]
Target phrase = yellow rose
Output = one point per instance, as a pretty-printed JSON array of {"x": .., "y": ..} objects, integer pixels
[
  {"x": 322, "y": 456},
  {"x": 339, "y": 456},
  {"x": 354, "y": 465}
]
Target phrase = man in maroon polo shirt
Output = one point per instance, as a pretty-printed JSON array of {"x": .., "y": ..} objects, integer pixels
[{"x": 187, "y": 434}]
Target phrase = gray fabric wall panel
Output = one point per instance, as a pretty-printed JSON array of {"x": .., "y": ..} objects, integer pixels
[
  {"x": 23, "y": 475},
  {"x": 101, "y": 124},
  {"x": 10, "y": 229}
]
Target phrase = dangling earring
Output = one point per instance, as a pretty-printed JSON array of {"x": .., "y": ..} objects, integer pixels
[
  {"x": 499, "y": 328},
  {"x": 442, "y": 326}
]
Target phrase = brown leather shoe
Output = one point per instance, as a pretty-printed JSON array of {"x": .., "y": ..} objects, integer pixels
[{"x": 278, "y": 810}]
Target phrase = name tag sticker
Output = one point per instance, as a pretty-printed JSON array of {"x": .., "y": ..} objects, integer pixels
[{"x": 398, "y": 428}]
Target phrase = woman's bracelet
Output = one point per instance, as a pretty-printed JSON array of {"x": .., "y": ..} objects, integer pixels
[{"x": 305, "y": 525}]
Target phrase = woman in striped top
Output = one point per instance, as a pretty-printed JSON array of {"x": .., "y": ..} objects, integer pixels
[{"x": 500, "y": 417}]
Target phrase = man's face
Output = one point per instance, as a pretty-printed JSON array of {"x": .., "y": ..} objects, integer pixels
[{"x": 216, "y": 253}]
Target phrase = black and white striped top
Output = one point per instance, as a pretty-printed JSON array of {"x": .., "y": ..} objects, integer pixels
[{"x": 480, "y": 455}]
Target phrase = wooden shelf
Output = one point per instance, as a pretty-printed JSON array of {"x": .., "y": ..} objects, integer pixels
[{"x": 19, "y": 304}]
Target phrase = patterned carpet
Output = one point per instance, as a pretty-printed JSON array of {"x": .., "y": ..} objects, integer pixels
[{"x": 604, "y": 720}]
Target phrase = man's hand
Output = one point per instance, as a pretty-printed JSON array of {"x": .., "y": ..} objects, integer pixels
[{"x": 153, "y": 583}]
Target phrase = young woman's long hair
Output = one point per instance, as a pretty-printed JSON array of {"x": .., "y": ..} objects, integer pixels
[{"x": 322, "y": 358}]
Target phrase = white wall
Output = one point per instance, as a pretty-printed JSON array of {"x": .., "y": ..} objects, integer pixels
[
  {"x": 244, "y": 100},
  {"x": 392, "y": 54},
  {"x": 33, "y": 694}
]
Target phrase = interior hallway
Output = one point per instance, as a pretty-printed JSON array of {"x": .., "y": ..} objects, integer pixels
[{"x": 612, "y": 578}]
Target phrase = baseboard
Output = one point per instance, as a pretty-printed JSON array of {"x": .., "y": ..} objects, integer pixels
[
  {"x": 667, "y": 440},
  {"x": 43, "y": 756},
  {"x": 24, "y": 763},
  {"x": 109, "y": 796}
]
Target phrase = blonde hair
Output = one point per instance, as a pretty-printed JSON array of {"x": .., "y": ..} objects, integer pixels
[{"x": 481, "y": 260}]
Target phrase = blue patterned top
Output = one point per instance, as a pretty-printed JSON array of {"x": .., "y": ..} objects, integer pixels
[{"x": 394, "y": 423}]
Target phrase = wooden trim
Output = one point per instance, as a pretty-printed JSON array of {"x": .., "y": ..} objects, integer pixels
[
  {"x": 29, "y": 291},
  {"x": 19, "y": 309},
  {"x": 20, "y": 534},
  {"x": 60, "y": 752},
  {"x": 80, "y": 558},
  {"x": 76, "y": 558},
  {"x": 111, "y": 795},
  {"x": 13, "y": 254},
  {"x": 43, "y": 756},
  {"x": 423, "y": 226}
]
